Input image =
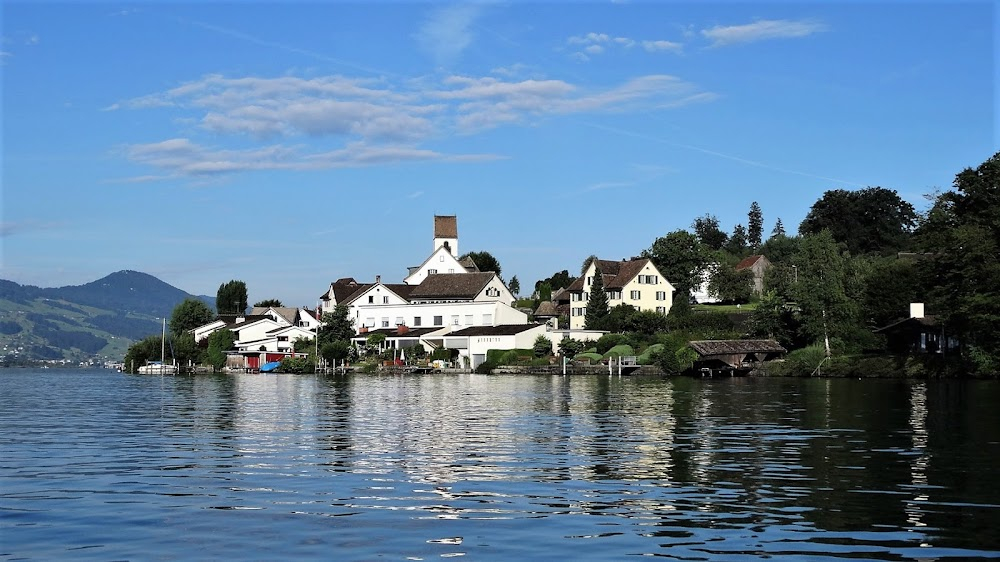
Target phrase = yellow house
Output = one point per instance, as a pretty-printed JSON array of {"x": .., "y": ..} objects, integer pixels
[{"x": 634, "y": 282}]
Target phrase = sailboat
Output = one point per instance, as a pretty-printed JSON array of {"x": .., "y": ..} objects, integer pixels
[{"x": 160, "y": 367}]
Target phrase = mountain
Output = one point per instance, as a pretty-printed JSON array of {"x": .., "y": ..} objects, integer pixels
[{"x": 100, "y": 318}]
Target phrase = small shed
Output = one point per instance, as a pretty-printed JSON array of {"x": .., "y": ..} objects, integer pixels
[{"x": 734, "y": 355}]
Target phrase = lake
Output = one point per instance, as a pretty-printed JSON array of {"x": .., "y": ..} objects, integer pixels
[{"x": 102, "y": 465}]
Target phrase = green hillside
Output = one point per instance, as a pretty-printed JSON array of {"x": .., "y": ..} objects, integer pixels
[{"x": 96, "y": 320}]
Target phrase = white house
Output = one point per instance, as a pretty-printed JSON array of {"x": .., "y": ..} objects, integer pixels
[
  {"x": 473, "y": 342},
  {"x": 634, "y": 282}
]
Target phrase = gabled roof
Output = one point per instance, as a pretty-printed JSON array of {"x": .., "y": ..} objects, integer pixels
[
  {"x": 452, "y": 285},
  {"x": 614, "y": 274},
  {"x": 469, "y": 265},
  {"x": 342, "y": 289},
  {"x": 248, "y": 320},
  {"x": 445, "y": 226},
  {"x": 627, "y": 270},
  {"x": 502, "y": 330},
  {"x": 928, "y": 320},
  {"x": 288, "y": 313},
  {"x": 749, "y": 262},
  {"x": 402, "y": 290}
]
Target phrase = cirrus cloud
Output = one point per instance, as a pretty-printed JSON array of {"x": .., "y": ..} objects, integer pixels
[{"x": 761, "y": 30}]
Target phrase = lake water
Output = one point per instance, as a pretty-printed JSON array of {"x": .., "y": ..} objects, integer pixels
[{"x": 108, "y": 466}]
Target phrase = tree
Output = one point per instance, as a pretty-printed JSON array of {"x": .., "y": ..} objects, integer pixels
[
  {"x": 870, "y": 220},
  {"x": 586, "y": 263},
  {"x": 559, "y": 280},
  {"x": 779, "y": 229},
  {"x": 737, "y": 244},
  {"x": 336, "y": 326},
  {"x": 569, "y": 347},
  {"x": 484, "y": 261},
  {"x": 542, "y": 346},
  {"x": 231, "y": 298},
  {"x": 731, "y": 285},
  {"x": 780, "y": 248},
  {"x": 219, "y": 342},
  {"x": 544, "y": 292},
  {"x": 962, "y": 235},
  {"x": 707, "y": 230},
  {"x": 267, "y": 303},
  {"x": 189, "y": 314},
  {"x": 770, "y": 319},
  {"x": 514, "y": 286},
  {"x": 597, "y": 304},
  {"x": 755, "y": 226},
  {"x": 681, "y": 259},
  {"x": 826, "y": 310},
  {"x": 335, "y": 351}
]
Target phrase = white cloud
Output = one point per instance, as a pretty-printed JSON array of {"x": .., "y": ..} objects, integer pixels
[
  {"x": 599, "y": 43},
  {"x": 761, "y": 30},
  {"x": 654, "y": 46},
  {"x": 371, "y": 121},
  {"x": 448, "y": 31}
]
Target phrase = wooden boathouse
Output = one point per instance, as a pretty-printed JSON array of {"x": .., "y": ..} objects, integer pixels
[{"x": 734, "y": 357}]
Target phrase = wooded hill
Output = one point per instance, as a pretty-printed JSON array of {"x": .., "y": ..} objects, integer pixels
[{"x": 101, "y": 318}]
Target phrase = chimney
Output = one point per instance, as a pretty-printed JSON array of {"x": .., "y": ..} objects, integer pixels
[
  {"x": 363, "y": 330},
  {"x": 401, "y": 329},
  {"x": 916, "y": 310},
  {"x": 378, "y": 278}
]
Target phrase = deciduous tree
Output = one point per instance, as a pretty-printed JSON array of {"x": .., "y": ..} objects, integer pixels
[
  {"x": 707, "y": 230},
  {"x": 268, "y": 302},
  {"x": 870, "y": 220},
  {"x": 231, "y": 298},
  {"x": 681, "y": 259},
  {"x": 189, "y": 314},
  {"x": 484, "y": 261}
]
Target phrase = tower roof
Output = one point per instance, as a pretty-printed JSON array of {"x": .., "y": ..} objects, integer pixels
[{"x": 445, "y": 226}]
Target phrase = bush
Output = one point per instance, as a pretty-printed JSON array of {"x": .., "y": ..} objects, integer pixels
[
  {"x": 619, "y": 351},
  {"x": 542, "y": 346},
  {"x": 646, "y": 358},
  {"x": 589, "y": 357},
  {"x": 444, "y": 354},
  {"x": 607, "y": 341}
]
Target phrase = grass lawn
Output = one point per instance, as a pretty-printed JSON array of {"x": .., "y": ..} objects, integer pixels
[{"x": 726, "y": 308}]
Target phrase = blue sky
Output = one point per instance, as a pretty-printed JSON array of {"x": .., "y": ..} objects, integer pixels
[{"x": 291, "y": 144}]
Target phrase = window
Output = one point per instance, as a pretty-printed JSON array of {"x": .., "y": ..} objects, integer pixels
[
  {"x": 468, "y": 319},
  {"x": 416, "y": 320},
  {"x": 661, "y": 295},
  {"x": 439, "y": 320},
  {"x": 371, "y": 299},
  {"x": 432, "y": 271},
  {"x": 385, "y": 321},
  {"x": 454, "y": 320},
  {"x": 370, "y": 321},
  {"x": 385, "y": 300},
  {"x": 661, "y": 310},
  {"x": 590, "y": 281},
  {"x": 441, "y": 257},
  {"x": 487, "y": 320},
  {"x": 635, "y": 295},
  {"x": 399, "y": 320},
  {"x": 492, "y": 292},
  {"x": 615, "y": 295},
  {"x": 451, "y": 271}
]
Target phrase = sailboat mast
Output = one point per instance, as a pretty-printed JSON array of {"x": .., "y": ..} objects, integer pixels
[{"x": 163, "y": 343}]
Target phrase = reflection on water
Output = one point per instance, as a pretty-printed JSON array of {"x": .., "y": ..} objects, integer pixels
[{"x": 103, "y": 465}]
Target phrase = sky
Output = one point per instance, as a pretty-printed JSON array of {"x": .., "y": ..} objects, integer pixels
[{"x": 291, "y": 144}]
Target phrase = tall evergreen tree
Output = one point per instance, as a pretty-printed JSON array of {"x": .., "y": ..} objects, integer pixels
[
  {"x": 597, "y": 305},
  {"x": 737, "y": 244},
  {"x": 779, "y": 229},
  {"x": 514, "y": 286},
  {"x": 755, "y": 226}
]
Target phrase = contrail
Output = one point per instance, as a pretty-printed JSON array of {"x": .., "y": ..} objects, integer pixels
[{"x": 719, "y": 154}]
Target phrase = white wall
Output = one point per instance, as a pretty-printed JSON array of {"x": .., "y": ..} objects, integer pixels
[{"x": 498, "y": 313}]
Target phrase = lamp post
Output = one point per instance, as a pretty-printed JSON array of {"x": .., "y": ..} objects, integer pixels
[{"x": 795, "y": 270}]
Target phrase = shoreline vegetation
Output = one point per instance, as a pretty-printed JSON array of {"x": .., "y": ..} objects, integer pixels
[{"x": 835, "y": 296}]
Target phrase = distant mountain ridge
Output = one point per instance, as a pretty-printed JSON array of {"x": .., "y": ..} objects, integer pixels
[{"x": 98, "y": 318}]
